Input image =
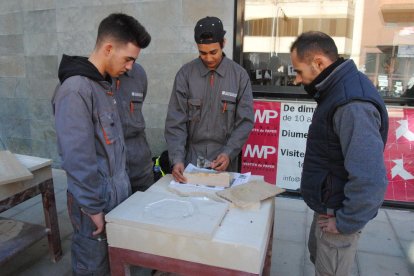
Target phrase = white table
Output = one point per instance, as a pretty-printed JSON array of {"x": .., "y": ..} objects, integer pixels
[{"x": 241, "y": 245}]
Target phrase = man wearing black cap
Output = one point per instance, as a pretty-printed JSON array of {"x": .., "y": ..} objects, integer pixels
[{"x": 210, "y": 113}]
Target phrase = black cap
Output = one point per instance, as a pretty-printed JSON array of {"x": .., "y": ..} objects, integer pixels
[{"x": 209, "y": 30}]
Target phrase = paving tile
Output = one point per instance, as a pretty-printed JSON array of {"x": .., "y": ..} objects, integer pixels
[
  {"x": 60, "y": 199},
  {"x": 33, "y": 214},
  {"x": 289, "y": 225},
  {"x": 402, "y": 223},
  {"x": 287, "y": 258},
  {"x": 382, "y": 215},
  {"x": 378, "y": 237},
  {"x": 381, "y": 265},
  {"x": 45, "y": 267},
  {"x": 309, "y": 217},
  {"x": 291, "y": 204},
  {"x": 65, "y": 226}
]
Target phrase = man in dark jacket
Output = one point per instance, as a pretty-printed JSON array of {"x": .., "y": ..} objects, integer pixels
[
  {"x": 90, "y": 139},
  {"x": 344, "y": 177}
]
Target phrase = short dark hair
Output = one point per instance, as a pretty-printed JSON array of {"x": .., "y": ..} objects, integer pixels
[
  {"x": 123, "y": 28},
  {"x": 312, "y": 42}
]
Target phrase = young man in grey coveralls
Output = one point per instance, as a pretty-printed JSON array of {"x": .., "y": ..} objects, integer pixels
[
  {"x": 90, "y": 139},
  {"x": 210, "y": 113},
  {"x": 344, "y": 177},
  {"x": 130, "y": 91}
]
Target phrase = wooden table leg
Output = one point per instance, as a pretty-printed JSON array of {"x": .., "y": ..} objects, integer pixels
[
  {"x": 117, "y": 265},
  {"x": 51, "y": 220}
]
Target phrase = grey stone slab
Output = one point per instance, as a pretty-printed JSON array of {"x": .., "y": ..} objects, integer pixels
[
  {"x": 11, "y": 23},
  {"x": 381, "y": 216},
  {"x": 287, "y": 258},
  {"x": 44, "y": 149},
  {"x": 195, "y": 10},
  {"x": 381, "y": 265},
  {"x": 378, "y": 237},
  {"x": 80, "y": 43},
  {"x": 309, "y": 217},
  {"x": 40, "y": 44},
  {"x": 11, "y": 107},
  {"x": 290, "y": 225},
  {"x": 157, "y": 14},
  {"x": 10, "y": 6},
  {"x": 43, "y": 130},
  {"x": 8, "y": 87},
  {"x": 65, "y": 225},
  {"x": 12, "y": 66},
  {"x": 159, "y": 91},
  {"x": 16, "y": 127},
  {"x": 77, "y": 3},
  {"x": 40, "y": 21},
  {"x": 75, "y": 19},
  {"x": 30, "y": 5},
  {"x": 42, "y": 67},
  {"x": 309, "y": 269},
  {"x": 172, "y": 39},
  {"x": 290, "y": 204},
  {"x": 36, "y": 88},
  {"x": 19, "y": 145},
  {"x": 40, "y": 109},
  {"x": 404, "y": 230},
  {"x": 44, "y": 267},
  {"x": 155, "y": 115},
  {"x": 25, "y": 259},
  {"x": 156, "y": 140},
  {"x": 34, "y": 214},
  {"x": 11, "y": 45}
]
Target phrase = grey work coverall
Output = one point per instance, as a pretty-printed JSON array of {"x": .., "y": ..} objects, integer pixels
[
  {"x": 130, "y": 92},
  {"x": 92, "y": 148},
  {"x": 210, "y": 112}
]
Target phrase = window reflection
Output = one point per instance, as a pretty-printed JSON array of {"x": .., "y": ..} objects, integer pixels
[{"x": 377, "y": 34}]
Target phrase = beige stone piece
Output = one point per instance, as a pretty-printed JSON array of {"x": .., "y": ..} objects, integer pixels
[
  {"x": 217, "y": 179},
  {"x": 170, "y": 213},
  {"x": 40, "y": 167},
  {"x": 250, "y": 195},
  {"x": 238, "y": 243},
  {"x": 11, "y": 170}
]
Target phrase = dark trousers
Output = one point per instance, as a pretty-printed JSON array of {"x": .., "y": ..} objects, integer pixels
[{"x": 89, "y": 253}]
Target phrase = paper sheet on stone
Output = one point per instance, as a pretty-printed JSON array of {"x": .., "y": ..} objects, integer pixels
[{"x": 237, "y": 179}]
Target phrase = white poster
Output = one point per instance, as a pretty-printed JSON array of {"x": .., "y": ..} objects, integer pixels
[{"x": 295, "y": 119}]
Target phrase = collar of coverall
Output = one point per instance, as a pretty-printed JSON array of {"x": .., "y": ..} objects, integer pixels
[{"x": 221, "y": 68}]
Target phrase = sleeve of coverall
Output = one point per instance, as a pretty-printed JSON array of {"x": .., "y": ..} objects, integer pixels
[
  {"x": 357, "y": 124},
  {"x": 75, "y": 133},
  {"x": 176, "y": 122},
  {"x": 244, "y": 118}
]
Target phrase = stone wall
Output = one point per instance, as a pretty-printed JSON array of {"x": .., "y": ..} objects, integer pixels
[{"x": 35, "y": 33}]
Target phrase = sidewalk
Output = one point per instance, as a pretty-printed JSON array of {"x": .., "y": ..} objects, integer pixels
[{"x": 383, "y": 247}]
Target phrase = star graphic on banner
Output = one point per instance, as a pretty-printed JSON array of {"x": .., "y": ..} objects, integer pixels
[
  {"x": 403, "y": 130},
  {"x": 398, "y": 169}
]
